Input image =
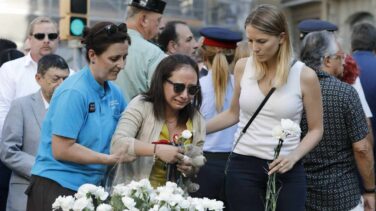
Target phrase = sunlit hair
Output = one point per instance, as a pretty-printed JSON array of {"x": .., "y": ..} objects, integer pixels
[
  {"x": 156, "y": 94},
  {"x": 218, "y": 60},
  {"x": 40, "y": 20},
  {"x": 270, "y": 20}
]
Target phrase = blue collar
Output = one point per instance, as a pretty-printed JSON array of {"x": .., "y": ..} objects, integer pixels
[{"x": 102, "y": 91}]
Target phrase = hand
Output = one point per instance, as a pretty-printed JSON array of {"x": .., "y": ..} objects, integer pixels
[
  {"x": 168, "y": 153},
  {"x": 185, "y": 166},
  {"x": 369, "y": 201},
  {"x": 120, "y": 155},
  {"x": 282, "y": 164}
]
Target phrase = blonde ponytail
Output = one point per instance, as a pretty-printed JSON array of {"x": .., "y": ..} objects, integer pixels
[{"x": 220, "y": 76}]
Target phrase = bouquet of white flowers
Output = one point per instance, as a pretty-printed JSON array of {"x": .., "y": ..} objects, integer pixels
[
  {"x": 280, "y": 132},
  {"x": 136, "y": 196}
]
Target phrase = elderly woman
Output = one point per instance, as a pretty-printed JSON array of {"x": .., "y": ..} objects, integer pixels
[
  {"x": 169, "y": 107},
  {"x": 84, "y": 111}
]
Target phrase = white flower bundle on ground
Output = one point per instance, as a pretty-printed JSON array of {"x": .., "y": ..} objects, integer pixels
[{"x": 136, "y": 196}]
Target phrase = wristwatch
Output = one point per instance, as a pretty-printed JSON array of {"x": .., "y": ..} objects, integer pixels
[{"x": 370, "y": 190}]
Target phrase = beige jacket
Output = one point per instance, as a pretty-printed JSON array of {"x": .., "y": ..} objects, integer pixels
[{"x": 138, "y": 123}]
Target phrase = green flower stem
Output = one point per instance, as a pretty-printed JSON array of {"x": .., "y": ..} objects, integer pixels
[{"x": 271, "y": 187}]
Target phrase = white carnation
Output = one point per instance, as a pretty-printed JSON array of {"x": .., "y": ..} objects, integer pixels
[
  {"x": 278, "y": 132},
  {"x": 63, "y": 202},
  {"x": 128, "y": 202},
  {"x": 290, "y": 127},
  {"x": 104, "y": 207},
  {"x": 82, "y": 203},
  {"x": 186, "y": 134}
]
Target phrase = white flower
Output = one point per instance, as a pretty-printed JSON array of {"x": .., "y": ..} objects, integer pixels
[
  {"x": 278, "y": 132},
  {"x": 82, "y": 203},
  {"x": 104, "y": 207},
  {"x": 128, "y": 202},
  {"x": 290, "y": 127},
  {"x": 186, "y": 134},
  {"x": 63, "y": 202},
  {"x": 287, "y": 128},
  {"x": 96, "y": 191}
]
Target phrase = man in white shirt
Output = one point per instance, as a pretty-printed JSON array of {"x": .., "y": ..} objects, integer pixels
[{"x": 17, "y": 77}]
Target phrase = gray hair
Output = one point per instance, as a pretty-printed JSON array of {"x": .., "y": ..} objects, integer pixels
[
  {"x": 316, "y": 46},
  {"x": 40, "y": 20},
  {"x": 132, "y": 11}
]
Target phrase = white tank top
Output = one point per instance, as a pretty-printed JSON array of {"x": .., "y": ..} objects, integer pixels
[{"x": 285, "y": 103}]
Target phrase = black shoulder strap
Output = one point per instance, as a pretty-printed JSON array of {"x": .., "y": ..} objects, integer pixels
[{"x": 258, "y": 109}]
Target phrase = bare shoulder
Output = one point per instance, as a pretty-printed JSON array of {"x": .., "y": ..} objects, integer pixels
[
  {"x": 239, "y": 67},
  {"x": 308, "y": 75}
]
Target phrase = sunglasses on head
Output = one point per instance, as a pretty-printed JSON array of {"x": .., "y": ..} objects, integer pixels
[
  {"x": 180, "y": 87},
  {"x": 111, "y": 29},
  {"x": 41, "y": 36}
]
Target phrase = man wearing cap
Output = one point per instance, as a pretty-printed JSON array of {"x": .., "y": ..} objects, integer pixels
[
  {"x": 143, "y": 19},
  {"x": 217, "y": 88},
  {"x": 177, "y": 38}
]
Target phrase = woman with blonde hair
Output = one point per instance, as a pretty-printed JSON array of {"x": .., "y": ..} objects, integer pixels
[
  {"x": 217, "y": 87},
  {"x": 271, "y": 64}
]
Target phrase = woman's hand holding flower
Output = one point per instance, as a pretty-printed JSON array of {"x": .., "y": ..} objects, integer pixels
[{"x": 282, "y": 164}]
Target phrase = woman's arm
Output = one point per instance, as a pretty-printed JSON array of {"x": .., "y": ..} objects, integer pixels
[
  {"x": 66, "y": 149},
  {"x": 231, "y": 115},
  {"x": 312, "y": 103}
]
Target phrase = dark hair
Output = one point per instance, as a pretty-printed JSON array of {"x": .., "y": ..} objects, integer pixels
[
  {"x": 363, "y": 37},
  {"x": 51, "y": 60},
  {"x": 10, "y": 54},
  {"x": 6, "y": 44},
  {"x": 102, "y": 35},
  {"x": 169, "y": 33},
  {"x": 156, "y": 94}
]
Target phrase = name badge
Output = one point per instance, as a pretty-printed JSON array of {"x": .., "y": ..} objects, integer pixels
[{"x": 91, "y": 107}]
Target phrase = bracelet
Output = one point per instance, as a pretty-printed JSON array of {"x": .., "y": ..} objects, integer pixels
[
  {"x": 371, "y": 190},
  {"x": 155, "y": 152}
]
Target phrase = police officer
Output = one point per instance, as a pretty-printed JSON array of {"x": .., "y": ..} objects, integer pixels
[{"x": 143, "y": 20}]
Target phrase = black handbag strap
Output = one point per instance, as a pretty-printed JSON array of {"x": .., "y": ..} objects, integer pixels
[
  {"x": 248, "y": 124},
  {"x": 258, "y": 109}
]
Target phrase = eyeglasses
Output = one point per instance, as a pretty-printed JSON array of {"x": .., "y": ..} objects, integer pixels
[
  {"x": 111, "y": 29},
  {"x": 180, "y": 87},
  {"x": 41, "y": 36}
]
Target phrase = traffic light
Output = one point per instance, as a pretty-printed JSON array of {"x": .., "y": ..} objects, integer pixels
[{"x": 74, "y": 18}]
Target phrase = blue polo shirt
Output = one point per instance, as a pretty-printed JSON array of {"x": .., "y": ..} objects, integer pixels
[{"x": 83, "y": 110}]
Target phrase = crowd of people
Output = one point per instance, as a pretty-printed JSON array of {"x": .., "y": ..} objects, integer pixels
[{"x": 121, "y": 116}]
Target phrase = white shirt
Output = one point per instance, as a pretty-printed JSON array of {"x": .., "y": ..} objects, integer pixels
[
  {"x": 17, "y": 79},
  {"x": 285, "y": 103},
  {"x": 358, "y": 87},
  {"x": 45, "y": 103}
]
